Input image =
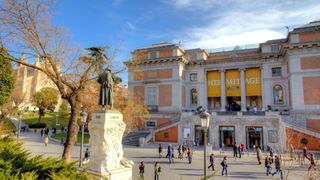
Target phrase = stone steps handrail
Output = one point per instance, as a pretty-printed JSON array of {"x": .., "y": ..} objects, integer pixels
[{"x": 302, "y": 129}]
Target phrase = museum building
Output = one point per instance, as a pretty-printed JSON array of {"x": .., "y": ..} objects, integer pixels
[{"x": 263, "y": 94}]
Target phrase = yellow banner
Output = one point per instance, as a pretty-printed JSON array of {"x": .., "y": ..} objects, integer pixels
[
  {"x": 233, "y": 85},
  {"x": 213, "y": 84},
  {"x": 253, "y": 82}
]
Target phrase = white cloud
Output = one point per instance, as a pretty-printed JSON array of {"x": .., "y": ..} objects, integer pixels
[
  {"x": 131, "y": 26},
  {"x": 244, "y": 21}
]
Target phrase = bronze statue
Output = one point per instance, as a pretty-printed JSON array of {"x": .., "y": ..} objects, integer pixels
[{"x": 106, "y": 88}]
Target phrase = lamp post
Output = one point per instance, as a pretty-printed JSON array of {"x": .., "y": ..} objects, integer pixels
[
  {"x": 83, "y": 115},
  {"x": 19, "y": 123},
  {"x": 204, "y": 120}
]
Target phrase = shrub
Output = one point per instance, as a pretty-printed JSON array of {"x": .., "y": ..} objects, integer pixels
[
  {"x": 37, "y": 125},
  {"x": 16, "y": 163}
]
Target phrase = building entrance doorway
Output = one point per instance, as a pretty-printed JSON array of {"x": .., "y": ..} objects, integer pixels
[
  {"x": 199, "y": 136},
  {"x": 254, "y": 137},
  {"x": 233, "y": 103},
  {"x": 227, "y": 136}
]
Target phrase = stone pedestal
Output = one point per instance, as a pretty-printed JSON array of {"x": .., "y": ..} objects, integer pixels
[{"x": 106, "y": 131}]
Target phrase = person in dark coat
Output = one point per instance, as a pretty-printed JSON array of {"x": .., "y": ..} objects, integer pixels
[
  {"x": 277, "y": 166},
  {"x": 239, "y": 150},
  {"x": 189, "y": 153},
  {"x": 211, "y": 161},
  {"x": 235, "y": 150},
  {"x": 160, "y": 151},
  {"x": 141, "y": 169}
]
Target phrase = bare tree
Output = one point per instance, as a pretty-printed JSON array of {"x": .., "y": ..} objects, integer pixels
[{"x": 26, "y": 27}]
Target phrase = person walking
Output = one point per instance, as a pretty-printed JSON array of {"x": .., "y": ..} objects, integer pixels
[
  {"x": 271, "y": 153},
  {"x": 291, "y": 152},
  {"x": 242, "y": 148},
  {"x": 184, "y": 149},
  {"x": 277, "y": 166},
  {"x": 239, "y": 150},
  {"x": 169, "y": 153},
  {"x": 235, "y": 154},
  {"x": 312, "y": 163},
  {"x": 259, "y": 155},
  {"x": 224, "y": 166},
  {"x": 180, "y": 151},
  {"x": 141, "y": 169},
  {"x": 41, "y": 132},
  {"x": 157, "y": 170},
  {"x": 86, "y": 156},
  {"x": 305, "y": 153},
  {"x": 189, "y": 153},
  {"x": 211, "y": 161},
  {"x": 267, "y": 164},
  {"x": 160, "y": 151},
  {"x": 46, "y": 140}
]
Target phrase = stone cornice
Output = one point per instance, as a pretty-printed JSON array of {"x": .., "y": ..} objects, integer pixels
[
  {"x": 156, "y": 61},
  {"x": 300, "y": 46}
]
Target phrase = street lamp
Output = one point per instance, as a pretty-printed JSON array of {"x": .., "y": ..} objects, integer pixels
[
  {"x": 205, "y": 120},
  {"x": 19, "y": 124},
  {"x": 83, "y": 115}
]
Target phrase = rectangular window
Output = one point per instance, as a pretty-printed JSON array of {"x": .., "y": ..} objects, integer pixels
[
  {"x": 193, "y": 77},
  {"x": 153, "y": 55},
  {"x": 275, "y": 48},
  {"x": 276, "y": 71},
  {"x": 150, "y": 124},
  {"x": 151, "y": 94}
]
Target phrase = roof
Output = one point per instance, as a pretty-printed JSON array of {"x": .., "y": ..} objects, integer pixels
[
  {"x": 283, "y": 40},
  {"x": 313, "y": 25},
  {"x": 157, "y": 45}
]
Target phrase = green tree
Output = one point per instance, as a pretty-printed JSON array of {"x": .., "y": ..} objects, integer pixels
[
  {"x": 6, "y": 80},
  {"x": 45, "y": 99},
  {"x": 64, "y": 109}
]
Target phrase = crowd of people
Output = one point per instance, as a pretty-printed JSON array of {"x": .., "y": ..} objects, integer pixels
[{"x": 271, "y": 159}]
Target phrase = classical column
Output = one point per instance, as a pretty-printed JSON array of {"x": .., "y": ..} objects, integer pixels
[
  {"x": 243, "y": 89},
  {"x": 223, "y": 90},
  {"x": 263, "y": 96}
]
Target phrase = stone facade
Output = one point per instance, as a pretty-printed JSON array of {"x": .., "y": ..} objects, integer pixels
[
  {"x": 279, "y": 75},
  {"x": 28, "y": 81}
]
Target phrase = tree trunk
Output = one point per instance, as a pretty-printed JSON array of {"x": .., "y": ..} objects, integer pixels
[{"x": 72, "y": 127}]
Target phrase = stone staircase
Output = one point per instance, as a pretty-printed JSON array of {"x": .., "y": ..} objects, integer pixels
[{"x": 132, "y": 138}]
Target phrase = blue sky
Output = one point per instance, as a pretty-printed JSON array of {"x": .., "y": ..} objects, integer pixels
[{"x": 129, "y": 24}]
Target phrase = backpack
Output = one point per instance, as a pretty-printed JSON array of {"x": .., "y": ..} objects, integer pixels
[
  {"x": 222, "y": 164},
  {"x": 159, "y": 169}
]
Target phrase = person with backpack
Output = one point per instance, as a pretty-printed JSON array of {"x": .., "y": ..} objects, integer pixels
[
  {"x": 141, "y": 169},
  {"x": 157, "y": 170},
  {"x": 277, "y": 166},
  {"x": 267, "y": 164},
  {"x": 211, "y": 161},
  {"x": 224, "y": 166}
]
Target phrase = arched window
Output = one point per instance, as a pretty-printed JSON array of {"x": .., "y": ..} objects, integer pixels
[
  {"x": 194, "y": 97},
  {"x": 277, "y": 94}
]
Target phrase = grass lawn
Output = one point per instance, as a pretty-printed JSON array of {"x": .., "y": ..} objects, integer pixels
[
  {"x": 64, "y": 136},
  {"x": 7, "y": 127},
  {"x": 49, "y": 119}
]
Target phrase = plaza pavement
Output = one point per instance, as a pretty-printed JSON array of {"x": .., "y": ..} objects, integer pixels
[{"x": 239, "y": 169}]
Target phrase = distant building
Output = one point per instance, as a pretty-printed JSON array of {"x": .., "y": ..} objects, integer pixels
[
  {"x": 28, "y": 81},
  {"x": 280, "y": 78}
]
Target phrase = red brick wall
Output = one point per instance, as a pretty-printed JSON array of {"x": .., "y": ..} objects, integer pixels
[
  {"x": 165, "y": 53},
  {"x": 167, "y": 135},
  {"x": 294, "y": 137},
  {"x": 313, "y": 124},
  {"x": 309, "y": 37},
  {"x": 152, "y": 74},
  {"x": 165, "y": 95},
  {"x": 311, "y": 62},
  {"x": 311, "y": 90}
]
